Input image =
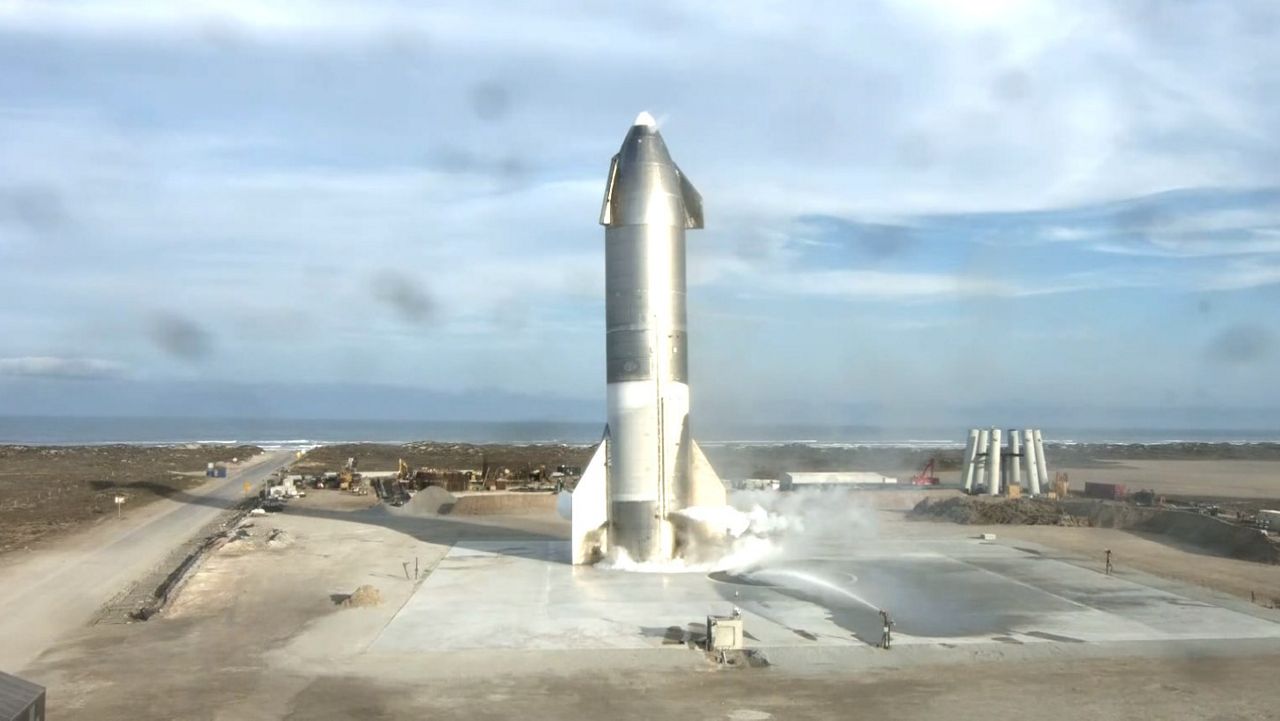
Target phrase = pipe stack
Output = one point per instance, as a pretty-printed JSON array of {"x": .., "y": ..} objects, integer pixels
[{"x": 992, "y": 467}]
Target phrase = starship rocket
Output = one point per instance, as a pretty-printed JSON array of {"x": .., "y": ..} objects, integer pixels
[{"x": 647, "y": 467}]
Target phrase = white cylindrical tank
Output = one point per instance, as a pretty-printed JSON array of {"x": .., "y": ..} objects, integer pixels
[
  {"x": 980, "y": 458},
  {"x": 993, "y": 463},
  {"x": 970, "y": 453},
  {"x": 1041, "y": 465},
  {"x": 1029, "y": 461},
  {"x": 1015, "y": 457}
]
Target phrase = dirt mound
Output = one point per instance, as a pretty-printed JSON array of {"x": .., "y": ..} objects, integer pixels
[
  {"x": 279, "y": 538},
  {"x": 1215, "y": 534},
  {"x": 431, "y": 501},
  {"x": 364, "y": 597},
  {"x": 248, "y": 537},
  {"x": 1203, "y": 531},
  {"x": 499, "y": 503},
  {"x": 981, "y": 511}
]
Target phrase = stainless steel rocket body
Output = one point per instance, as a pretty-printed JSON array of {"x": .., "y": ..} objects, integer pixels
[{"x": 648, "y": 205}]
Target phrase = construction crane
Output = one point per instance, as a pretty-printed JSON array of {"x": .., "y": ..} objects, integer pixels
[{"x": 926, "y": 475}]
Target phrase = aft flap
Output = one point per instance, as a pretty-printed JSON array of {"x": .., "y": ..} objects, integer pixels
[
  {"x": 707, "y": 488},
  {"x": 590, "y": 514}
]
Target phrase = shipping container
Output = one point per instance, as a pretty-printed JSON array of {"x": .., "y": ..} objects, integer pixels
[{"x": 1112, "y": 491}]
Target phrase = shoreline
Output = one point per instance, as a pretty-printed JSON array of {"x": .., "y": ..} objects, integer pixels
[{"x": 305, "y": 444}]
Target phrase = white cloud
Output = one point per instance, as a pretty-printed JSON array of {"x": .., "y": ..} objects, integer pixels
[
  {"x": 232, "y": 161},
  {"x": 938, "y": 107},
  {"x": 1240, "y": 276},
  {"x": 54, "y": 367}
]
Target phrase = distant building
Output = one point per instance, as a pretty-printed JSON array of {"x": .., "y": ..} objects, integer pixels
[
  {"x": 1269, "y": 519},
  {"x": 753, "y": 484},
  {"x": 833, "y": 479},
  {"x": 20, "y": 700}
]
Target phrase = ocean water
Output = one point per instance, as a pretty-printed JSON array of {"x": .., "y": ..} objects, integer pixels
[{"x": 308, "y": 432}]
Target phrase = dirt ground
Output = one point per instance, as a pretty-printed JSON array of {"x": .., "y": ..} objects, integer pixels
[
  {"x": 1104, "y": 690},
  {"x": 50, "y": 490},
  {"x": 1230, "y": 478},
  {"x": 264, "y": 629},
  {"x": 261, "y": 631}
]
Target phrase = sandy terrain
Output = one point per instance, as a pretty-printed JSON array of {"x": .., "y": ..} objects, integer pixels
[
  {"x": 1226, "y": 479},
  {"x": 47, "y": 491},
  {"x": 259, "y": 632},
  {"x": 61, "y": 585}
]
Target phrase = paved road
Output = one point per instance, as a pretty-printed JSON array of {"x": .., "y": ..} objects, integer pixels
[{"x": 60, "y": 588}]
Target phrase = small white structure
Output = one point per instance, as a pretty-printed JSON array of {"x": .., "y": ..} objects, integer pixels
[
  {"x": 796, "y": 480},
  {"x": 724, "y": 633},
  {"x": 993, "y": 466},
  {"x": 1269, "y": 519}
]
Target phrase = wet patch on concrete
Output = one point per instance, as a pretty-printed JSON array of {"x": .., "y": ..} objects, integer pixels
[{"x": 500, "y": 596}]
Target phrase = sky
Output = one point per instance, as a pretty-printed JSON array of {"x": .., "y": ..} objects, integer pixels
[{"x": 990, "y": 212}]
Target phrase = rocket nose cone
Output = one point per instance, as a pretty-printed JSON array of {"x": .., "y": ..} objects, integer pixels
[{"x": 645, "y": 120}]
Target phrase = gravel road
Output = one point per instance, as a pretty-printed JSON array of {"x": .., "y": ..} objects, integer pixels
[{"x": 47, "y": 592}]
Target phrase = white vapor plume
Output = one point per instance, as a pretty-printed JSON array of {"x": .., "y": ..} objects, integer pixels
[{"x": 759, "y": 528}]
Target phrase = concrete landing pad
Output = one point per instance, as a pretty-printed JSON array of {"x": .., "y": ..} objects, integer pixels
[{"x": 525, "y": 595}]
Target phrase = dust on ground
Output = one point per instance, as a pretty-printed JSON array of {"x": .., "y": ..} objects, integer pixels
[{"x": 47, "y": 490}]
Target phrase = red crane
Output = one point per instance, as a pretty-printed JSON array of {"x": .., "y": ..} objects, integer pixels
[{"x": 925, "y": 477}]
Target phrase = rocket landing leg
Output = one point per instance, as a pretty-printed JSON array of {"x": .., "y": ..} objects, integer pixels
[
  {"x": 590, "y": 514},
  {"x": 707, "y": 488},
  {"x": 589, "y": 503}
]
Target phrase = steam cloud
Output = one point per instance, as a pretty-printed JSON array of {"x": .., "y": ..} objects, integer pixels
[{"x": 760, "y": 528}]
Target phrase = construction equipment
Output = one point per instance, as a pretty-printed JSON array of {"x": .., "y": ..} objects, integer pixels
[
  {"x": 1060, "y": 484},
  {"x": 349, "y": 479},
  {"x": 403, "y": 474},
  {"x": 926, "y": 475}
]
